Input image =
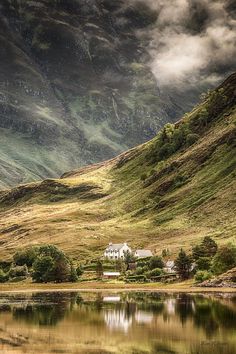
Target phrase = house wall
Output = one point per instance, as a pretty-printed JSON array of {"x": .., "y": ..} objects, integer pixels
[{"x": 117, "y": 254}]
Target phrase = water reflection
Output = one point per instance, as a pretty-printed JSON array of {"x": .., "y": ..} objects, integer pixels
[{"x": 151, "y": 322}]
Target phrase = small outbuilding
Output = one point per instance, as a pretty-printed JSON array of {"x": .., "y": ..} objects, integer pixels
[
  {"x": 143, "y": 254},
  {"x": 111, "y": 275}
]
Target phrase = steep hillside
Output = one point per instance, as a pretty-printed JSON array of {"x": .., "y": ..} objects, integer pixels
[
  {"x": 75, "y": 85},
  {"x": 166, "y": 193}
]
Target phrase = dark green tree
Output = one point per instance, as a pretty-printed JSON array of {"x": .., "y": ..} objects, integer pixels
[
  {"x": 183, "y": 264},
  {"x": 43, "y": 269},
  {"x": 52, "y": 265},
  {"x": 207, "y": 248},
  {"x": 26, "y": 256},
  {"x": 156, "y": 262},
  {"x": 99, "y": 269},
  {"x": 224, "y": 259}
]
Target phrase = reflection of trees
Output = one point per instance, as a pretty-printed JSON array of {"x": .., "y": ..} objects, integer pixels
[
  {"x": 46, "y": 309},
  {"x": 184, "y": 307},
  {"x": 213, "y": 348}
]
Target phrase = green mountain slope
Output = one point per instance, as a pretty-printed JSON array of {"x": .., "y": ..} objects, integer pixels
[
  {"x": 166, "y": 193},
  {"x": 75, "y": 85}
]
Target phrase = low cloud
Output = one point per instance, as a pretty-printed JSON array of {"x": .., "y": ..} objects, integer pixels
[{"x": 192, "y": 41}]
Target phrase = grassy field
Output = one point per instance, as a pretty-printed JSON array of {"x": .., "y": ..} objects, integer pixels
[{"x": 135, "y": 197}]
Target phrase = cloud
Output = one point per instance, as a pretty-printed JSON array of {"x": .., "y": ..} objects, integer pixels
[{"x": 191, "y": 41}]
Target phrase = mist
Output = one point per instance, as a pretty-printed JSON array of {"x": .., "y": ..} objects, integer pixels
[{"x": 191, "y": 42}]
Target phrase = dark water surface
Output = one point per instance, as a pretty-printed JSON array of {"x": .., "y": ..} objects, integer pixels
[{"x": 132, "y": 323}]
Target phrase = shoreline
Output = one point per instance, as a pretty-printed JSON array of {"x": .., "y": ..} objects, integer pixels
[{"x": 110, "y": 287}]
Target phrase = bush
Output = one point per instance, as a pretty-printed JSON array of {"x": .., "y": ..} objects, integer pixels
[
  {"x": 191, "y": 139},
  {"x": 203, "y": 263},
  {"x": 136, "y": 278},
  {"x": 139, "y": 271},
  {"x": 156, "y": 262},
  {"x": 18, "y": 271},
  {"x": 224, "y": 259},
  {"x": 202, "y": 275},
  {"x": 79, "y": 271},
  {"x": 3, "y": 276},
  {"x": 143, "y": 177},
  {"x": 26, "y": 256},
  {"x": 154, "y": 273}
]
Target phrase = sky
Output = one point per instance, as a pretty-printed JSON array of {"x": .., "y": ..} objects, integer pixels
[{"x": 191, "y": 40}]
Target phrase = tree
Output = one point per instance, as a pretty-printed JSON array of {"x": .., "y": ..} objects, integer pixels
[
  {"x": 99, "y": 269},
  {"x": 128, "y": 258},
  {"x": 156, "y": 262},
  {"x": 210, "y": 246},
  {"x": 224, "y": 259},
  {"x": 207, "y": 248},
  {"x": 203, "y": 263},
  {"x": 52, "y": 264},
  {"x": 183, "y": 264},
  {"x": 79, "y": 271},
  {"x": 26, "y": 256},
  {"x": 43, "y": 269}
]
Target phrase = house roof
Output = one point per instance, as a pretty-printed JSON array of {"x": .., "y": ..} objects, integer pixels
[
  {"x": 170, "y": 264},
  {"x": 115, "y": 246},
  {"x": 143, "y": 253}
]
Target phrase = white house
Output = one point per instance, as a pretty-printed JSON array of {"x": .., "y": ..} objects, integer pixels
[
  {"x": 170, "y": 267},
  {"x": 117, "y": 250},
  {"x": 143, "y": 253}
]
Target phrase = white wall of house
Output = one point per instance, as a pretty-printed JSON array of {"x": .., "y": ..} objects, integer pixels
[{"x": 114, "y": 252}]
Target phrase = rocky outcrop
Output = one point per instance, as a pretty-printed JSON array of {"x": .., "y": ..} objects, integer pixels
[{"x": 226, "y": 280}]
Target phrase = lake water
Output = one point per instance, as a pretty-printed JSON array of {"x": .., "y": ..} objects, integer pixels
[{"x": 124, "y": 323}]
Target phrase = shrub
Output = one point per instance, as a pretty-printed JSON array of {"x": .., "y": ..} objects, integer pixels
[
  {"x": 143, "y": 176},
  {"x": 224, "y": 259},
  {"x": 3, "y": 276},
  {"x": 156, "y": 262},
  {"x": 26, "y": 256},
  {"x": 154, "y": 273},
  {"x": 79, "y": 271},
  {"x": 202, "y": 275},
  {"x": 191, "y": 139},
  {"x": 139, "y": 271},
  {"x": 18, "y": 271},
  {"x": 165, "y": 151},
  {"x": 136, "y": 278},
  {"x": 203, "y": 263}
]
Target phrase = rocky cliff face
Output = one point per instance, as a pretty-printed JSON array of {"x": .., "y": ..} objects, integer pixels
[{"x": 75, "y": 85}]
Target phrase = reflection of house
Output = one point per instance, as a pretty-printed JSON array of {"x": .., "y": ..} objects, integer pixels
[
  {"x": 111, "y": 275},
  {"x": 117, "y": 319},
  {"x": 117, "y": 250},
  {"x": 170, "y": 267},
  {"x": 143, "y": 253},
  {"x": 111, "y": 299},
  {"x": 143, "y": 317}
]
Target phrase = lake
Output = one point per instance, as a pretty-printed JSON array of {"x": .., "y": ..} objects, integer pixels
[{"x": 129, "y": 323}]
